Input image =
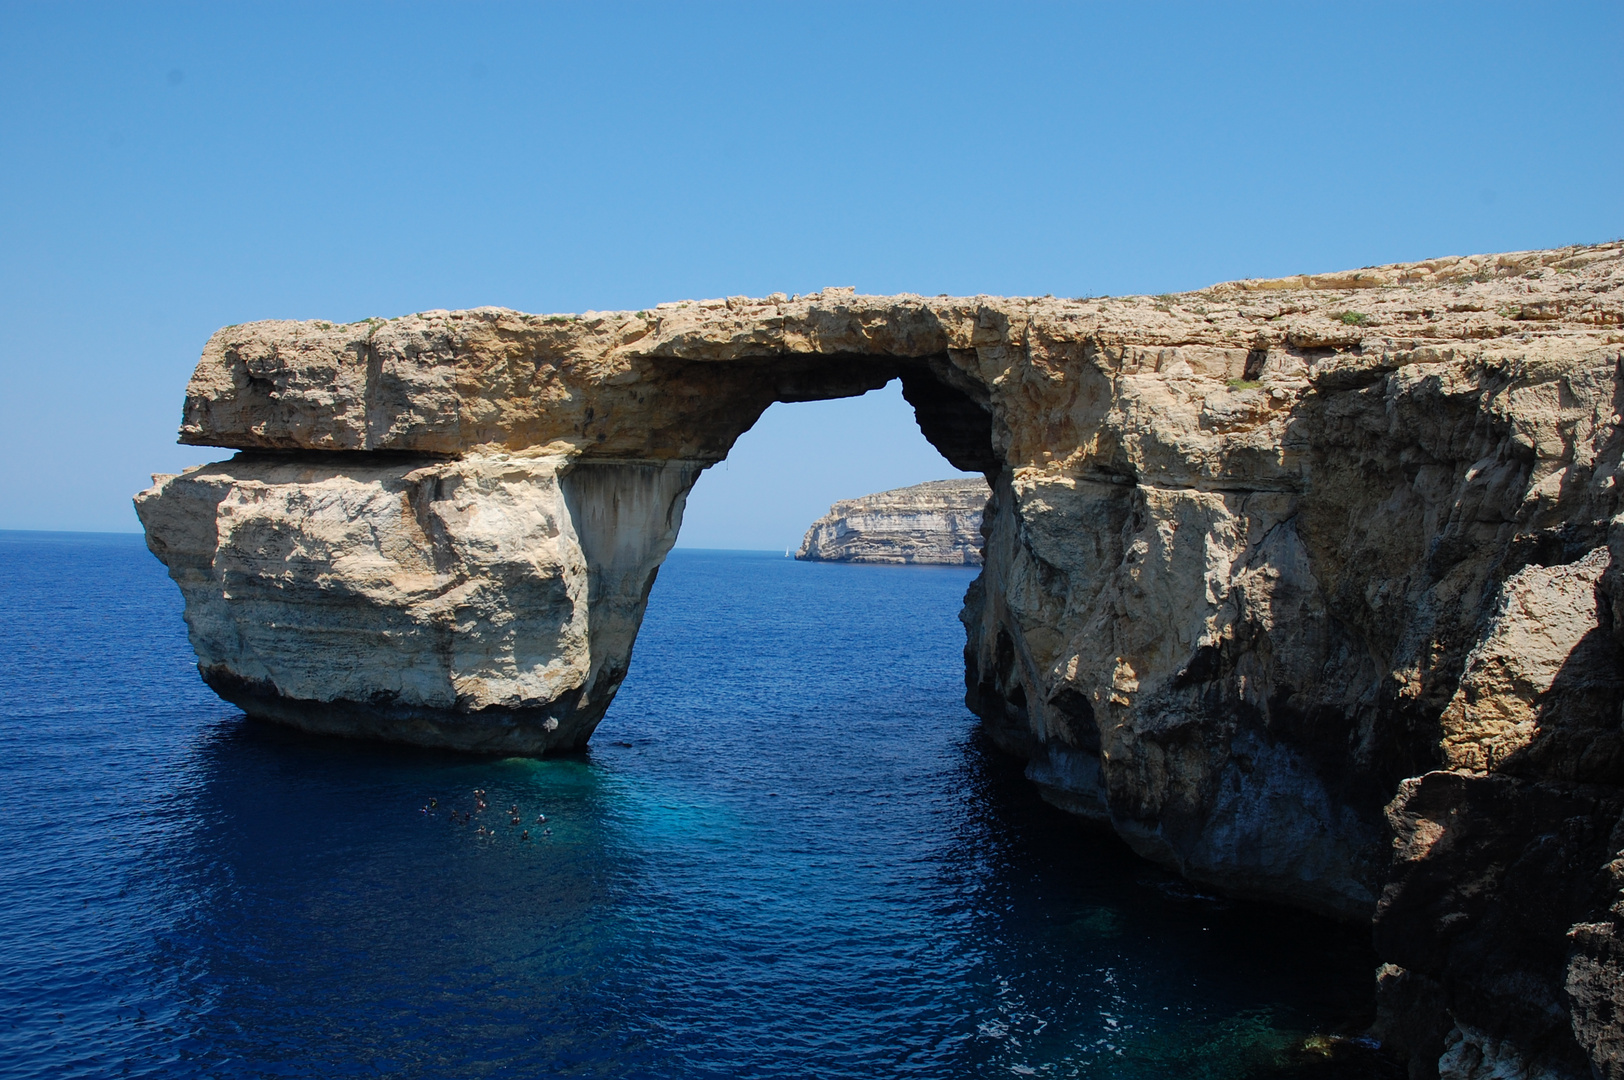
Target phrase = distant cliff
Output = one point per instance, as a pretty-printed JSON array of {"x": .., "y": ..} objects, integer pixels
[{"x": 938, "y": 523}]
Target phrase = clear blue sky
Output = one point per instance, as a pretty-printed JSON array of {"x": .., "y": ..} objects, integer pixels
[{"x": 170, "y": 169}]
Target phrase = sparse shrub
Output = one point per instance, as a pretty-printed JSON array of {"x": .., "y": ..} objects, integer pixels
[
  {"x": 1353, "y": 318},
  {"x": 1244, "y": 384}
]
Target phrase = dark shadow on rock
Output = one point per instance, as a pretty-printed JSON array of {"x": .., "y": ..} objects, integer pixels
[{"x": 1493, "y": 872}]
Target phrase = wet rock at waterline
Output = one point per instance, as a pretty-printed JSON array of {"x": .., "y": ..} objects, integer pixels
[
  {"x": 1306, "y": 587},
  {"x": 936, "y": 523}
]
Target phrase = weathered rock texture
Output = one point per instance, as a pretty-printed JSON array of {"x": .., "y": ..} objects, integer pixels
[
  {"x": 1307, "y": 587},
  {"x": 936, "y": 523}
]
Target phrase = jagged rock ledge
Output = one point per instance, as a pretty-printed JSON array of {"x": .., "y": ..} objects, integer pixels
[
  {"x": 937, "y": 523},
  {"x": 1306, "y": 587}
]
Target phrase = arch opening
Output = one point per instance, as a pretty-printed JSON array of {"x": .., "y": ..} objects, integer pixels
[{"x": 628, "y": 514}]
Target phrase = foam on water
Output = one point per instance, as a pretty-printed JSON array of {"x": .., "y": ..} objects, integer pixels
[{"x": 788, "y": 853}]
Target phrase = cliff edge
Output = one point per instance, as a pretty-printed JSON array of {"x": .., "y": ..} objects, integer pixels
[
  {"x": 935, "y": 523},
  {"x": 1306, "y": 587}
]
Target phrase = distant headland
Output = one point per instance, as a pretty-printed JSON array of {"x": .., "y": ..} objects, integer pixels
[{"x": 936, "y": 523}]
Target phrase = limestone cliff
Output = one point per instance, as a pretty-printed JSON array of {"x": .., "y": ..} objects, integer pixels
[
  {"x": 1307, "y": 587},
  {"x": 936, "y": 523}
]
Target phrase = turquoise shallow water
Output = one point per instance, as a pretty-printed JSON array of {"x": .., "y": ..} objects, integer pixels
[{"x": 788, "y": 853}]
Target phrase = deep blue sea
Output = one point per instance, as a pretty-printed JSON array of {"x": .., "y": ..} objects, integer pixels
[{"x": 787, "y": 854}]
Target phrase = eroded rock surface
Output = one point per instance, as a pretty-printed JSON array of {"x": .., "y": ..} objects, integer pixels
[
  {"x": 1308, "y": 587},
  {"x": 935, "y": 523},
  {"x": 487, "y": 603}
]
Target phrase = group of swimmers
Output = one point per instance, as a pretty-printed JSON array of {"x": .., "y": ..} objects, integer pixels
[{"x": 466, "y": 817}]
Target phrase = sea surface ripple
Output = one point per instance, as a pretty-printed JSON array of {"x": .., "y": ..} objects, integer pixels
[{"x": 787, "y": 854}]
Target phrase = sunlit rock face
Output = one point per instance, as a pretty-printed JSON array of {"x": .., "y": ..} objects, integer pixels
[
  {"x": 486, "y": 603},
  {"x": 937, "y": 523},
  {"x": 1305, "y": 587}
]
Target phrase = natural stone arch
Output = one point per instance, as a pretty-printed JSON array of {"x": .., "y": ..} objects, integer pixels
[
  {"x": 1261, "y": 585},
  {"x": 399, "y": 461}
]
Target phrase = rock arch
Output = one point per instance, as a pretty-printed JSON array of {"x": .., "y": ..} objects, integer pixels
[
  {"x": 1261, "y": 591},
  {"x": 443, "y": 529}
]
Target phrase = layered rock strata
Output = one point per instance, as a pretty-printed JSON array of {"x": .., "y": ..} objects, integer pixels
[
  {"x": 1306, "y": 587},
  {"x": 936, "y": 523}
]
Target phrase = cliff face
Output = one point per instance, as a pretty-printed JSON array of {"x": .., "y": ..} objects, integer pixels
[
  {"x": 936, "y": 523},
  {"x": 1307, "y": 587}
]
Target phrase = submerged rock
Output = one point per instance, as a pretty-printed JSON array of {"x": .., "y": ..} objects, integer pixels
[
  {"x": 1306, "y": 587},
  {"x": 937, "y": 523}
]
